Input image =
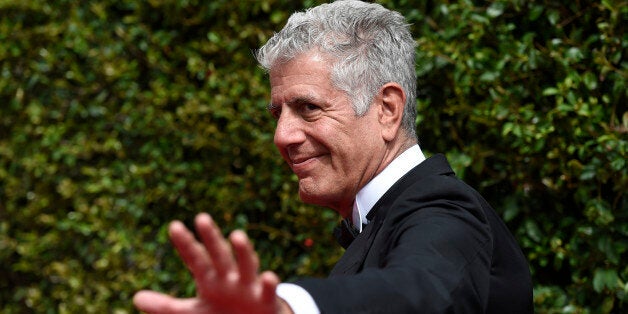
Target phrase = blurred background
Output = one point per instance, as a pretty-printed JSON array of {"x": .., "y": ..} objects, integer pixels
[{"x": 117, "y": 117}]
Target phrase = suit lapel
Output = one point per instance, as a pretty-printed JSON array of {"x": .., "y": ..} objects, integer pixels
[
  {"x": 353, "y": 259},
  {"x": 351, "y": 262}
]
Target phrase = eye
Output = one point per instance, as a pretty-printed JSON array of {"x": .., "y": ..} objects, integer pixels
[
  {"x": 309, "y": 109},
  {"x": 274, "y": 110}
]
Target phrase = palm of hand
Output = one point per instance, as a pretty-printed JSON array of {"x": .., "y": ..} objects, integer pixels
[{"x": 226, "y": 276}]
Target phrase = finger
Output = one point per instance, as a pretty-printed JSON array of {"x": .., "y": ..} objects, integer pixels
[
  {"x": 246, "y": 258},
  {"x": 269, "y": 282},
  {"x": 218, "y": 248},
  {"x": 155, "y": 302},
  {"x": 191, "y": 251}
]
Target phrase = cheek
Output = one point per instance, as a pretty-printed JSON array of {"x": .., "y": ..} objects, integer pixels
[{"x": 361, "y": 148}]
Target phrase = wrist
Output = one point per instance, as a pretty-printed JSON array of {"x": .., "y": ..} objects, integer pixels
[{"x": 283, "y": 307}]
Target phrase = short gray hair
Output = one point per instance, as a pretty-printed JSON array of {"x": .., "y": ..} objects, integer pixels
[{"x": 369, "y": 44}]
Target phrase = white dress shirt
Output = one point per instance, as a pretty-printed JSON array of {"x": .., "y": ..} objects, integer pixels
[{"x": 299, "y": 300}]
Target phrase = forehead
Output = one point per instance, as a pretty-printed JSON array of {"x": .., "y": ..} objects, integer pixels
[
  {"x": 303, "y": 69},
  {"x": 305, "y": 76}
]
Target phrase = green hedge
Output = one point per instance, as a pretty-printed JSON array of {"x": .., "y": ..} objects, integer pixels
[{"x": 119, "y": 116}]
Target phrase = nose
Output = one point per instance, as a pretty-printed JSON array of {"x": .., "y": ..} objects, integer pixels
[{"x": 289, "y": 130}]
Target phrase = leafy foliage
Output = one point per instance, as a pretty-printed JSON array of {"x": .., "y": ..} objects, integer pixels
[{"x": 119, "y": 116}]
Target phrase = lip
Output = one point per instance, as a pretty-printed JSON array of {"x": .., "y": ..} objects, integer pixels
[
  {"x": 300, "y": 160},
  {"x": 301, "y": 165}
]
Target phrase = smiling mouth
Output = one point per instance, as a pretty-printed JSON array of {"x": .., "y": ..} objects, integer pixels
[
  {"x": 302, "y": 165},
  {"x": 298, "y": 161}
]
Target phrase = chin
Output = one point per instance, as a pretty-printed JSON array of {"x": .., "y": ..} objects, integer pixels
[
  {"x": 309, "y": 198},
  {"x": 312, "y": 197},
  {"x": 319, "y": 198}
]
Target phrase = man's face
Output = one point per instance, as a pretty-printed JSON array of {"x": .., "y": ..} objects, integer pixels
[{"x": 332, "y": 151}]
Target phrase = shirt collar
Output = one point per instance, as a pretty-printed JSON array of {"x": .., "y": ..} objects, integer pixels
[{"x": 375, "y": 189}]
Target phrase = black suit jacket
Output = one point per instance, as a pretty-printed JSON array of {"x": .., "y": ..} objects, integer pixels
[{"x": 433, "y": 245}]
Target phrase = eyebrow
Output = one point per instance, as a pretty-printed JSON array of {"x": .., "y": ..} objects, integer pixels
[
  {"x": 271, "y": 107},
  {"x": 308, "y": 99}
]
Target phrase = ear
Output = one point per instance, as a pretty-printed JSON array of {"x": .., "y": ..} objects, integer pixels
[{"x": 393, "y": 100}]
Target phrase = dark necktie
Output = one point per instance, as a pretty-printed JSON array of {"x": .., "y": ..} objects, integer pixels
[{"x": 345, "y": 233}]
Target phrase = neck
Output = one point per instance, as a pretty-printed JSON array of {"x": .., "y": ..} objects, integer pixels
[{"x": 393, "y": 150}]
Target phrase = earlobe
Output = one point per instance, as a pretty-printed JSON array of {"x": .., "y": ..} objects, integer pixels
[{"x": 393, "y": 100}]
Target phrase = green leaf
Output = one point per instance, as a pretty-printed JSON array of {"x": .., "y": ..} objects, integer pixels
[
  {"x": 604, "y": 279},
  {"x": 495, "y": 9},
  {"x": 533, "y": 230},
  {"x": 550, "y": 91}
]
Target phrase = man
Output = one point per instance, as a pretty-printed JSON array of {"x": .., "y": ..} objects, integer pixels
[{"x": 343, "y": 93}]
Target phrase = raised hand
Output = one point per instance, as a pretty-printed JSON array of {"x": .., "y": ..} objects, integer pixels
[{"x": 226, "y": 275}]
